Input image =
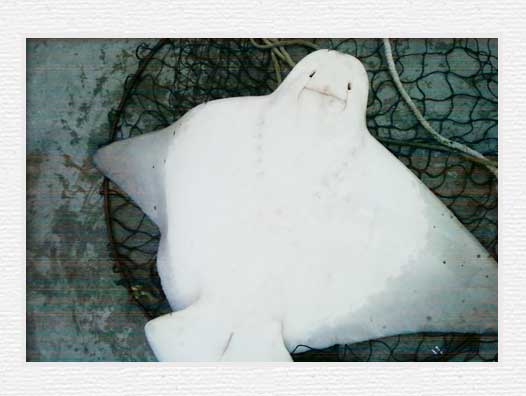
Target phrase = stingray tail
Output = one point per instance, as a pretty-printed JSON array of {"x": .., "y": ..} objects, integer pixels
[
  {"x": 198, "y": 334},
  {"x": 262, "y": 342}
]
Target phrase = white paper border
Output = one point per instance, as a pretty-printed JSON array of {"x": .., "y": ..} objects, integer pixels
[{"x": 205, "y": 18}]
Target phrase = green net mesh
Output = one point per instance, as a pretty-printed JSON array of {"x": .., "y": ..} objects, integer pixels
[{"x": 453, "y": 83}]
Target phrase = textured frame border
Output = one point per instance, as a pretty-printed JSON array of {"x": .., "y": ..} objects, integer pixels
[{"x": 185, "y": 18}]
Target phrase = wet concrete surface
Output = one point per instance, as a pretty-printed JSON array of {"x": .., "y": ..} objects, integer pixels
[{"x": 75, "y": 309}]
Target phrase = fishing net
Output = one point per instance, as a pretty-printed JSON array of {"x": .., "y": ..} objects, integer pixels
[{"x": 452, "y": 82}]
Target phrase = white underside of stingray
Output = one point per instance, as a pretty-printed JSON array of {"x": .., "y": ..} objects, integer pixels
[{"x": 284, "y": 222}]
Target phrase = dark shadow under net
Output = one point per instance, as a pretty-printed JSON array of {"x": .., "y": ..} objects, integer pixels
[{"x": 454, "y": 84}]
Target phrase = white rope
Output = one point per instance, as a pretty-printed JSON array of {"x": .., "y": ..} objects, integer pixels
[{"x": 465, "y": 150}]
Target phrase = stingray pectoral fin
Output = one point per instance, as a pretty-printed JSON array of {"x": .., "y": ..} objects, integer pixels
[
  {"x": 262, "y": 342},
  {"x": 136, "y": 165},
  {"x": 194, "y": 334}
]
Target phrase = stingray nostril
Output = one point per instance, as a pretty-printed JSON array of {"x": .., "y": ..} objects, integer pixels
[
  {"x": 312, "y": 74},
  {"x": 348, "y": 86}
]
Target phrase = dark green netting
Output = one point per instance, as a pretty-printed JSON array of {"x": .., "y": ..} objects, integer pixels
[{"x": 452, "y": 81}]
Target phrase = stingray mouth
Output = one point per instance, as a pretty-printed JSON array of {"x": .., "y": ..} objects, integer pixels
[
  {"x": 326, "y": 93},
  {"x": 325, "y": 97}
]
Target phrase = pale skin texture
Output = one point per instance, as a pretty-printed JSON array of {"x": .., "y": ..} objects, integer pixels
[{"x": 285, "y": 222}]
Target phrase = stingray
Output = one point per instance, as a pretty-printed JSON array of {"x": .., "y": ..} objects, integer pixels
[{"x": 284, "y": 222}]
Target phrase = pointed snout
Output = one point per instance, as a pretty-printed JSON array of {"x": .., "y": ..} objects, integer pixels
[{"x": 328, "y": 81}]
